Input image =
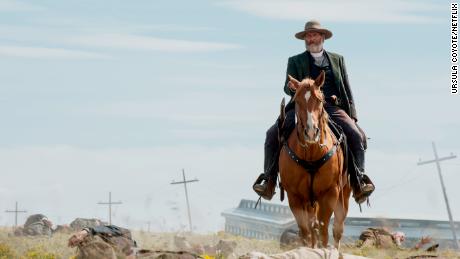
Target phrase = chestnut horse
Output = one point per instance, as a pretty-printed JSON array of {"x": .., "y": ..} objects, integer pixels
[{"x": 312, "y": 167}]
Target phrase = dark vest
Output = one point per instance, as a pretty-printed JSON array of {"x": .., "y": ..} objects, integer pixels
[{"x": 329, "y": 88}]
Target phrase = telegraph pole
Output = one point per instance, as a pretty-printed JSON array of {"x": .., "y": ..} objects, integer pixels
[
  {"x": 438, "y": 165},
  {"x": 110, "y": 206},
  {"x": 15, "y": 211},
  {"x": 184, "y": 181}
]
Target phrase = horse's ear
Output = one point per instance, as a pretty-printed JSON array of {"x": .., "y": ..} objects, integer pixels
[
  {"x": 319, "y": 81},
  {"x": 293, "y": 83}
]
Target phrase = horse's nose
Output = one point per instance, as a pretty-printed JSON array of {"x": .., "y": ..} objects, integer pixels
[
  {"x": 317, "y": 134},
  {"x": 310, "y": 133}
]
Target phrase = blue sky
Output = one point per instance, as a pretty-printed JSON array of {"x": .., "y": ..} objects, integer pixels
[{"x": 119, "y": 96}]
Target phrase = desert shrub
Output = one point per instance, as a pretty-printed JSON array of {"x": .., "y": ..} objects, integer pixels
[
  {"x": 39, "y": 253},
  {"x": 6, "y": 252}
]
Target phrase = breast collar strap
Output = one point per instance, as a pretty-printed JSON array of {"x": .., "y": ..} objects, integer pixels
[{"x": 312, "y": 166}]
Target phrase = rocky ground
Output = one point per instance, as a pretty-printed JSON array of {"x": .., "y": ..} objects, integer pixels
[{"x": 56, "y": 246}]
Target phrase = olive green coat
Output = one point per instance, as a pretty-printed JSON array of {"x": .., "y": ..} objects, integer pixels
[{"x": 299, "y": 68}]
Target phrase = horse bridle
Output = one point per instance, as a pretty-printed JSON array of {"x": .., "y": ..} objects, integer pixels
[{"x": 303, "y": 130}]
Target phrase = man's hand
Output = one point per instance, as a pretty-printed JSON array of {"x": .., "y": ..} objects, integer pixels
[{"x": 77, "y": 238}]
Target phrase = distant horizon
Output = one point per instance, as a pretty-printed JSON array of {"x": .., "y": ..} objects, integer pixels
[{"x": 415, "y": 218}]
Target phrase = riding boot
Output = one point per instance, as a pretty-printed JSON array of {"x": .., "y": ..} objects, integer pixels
[
  {"x": 266, "y": 182},
  {"x": 363, "y": 189},
  {"x": 265, "y": 185},
  {"x": 362, "y": 184}
]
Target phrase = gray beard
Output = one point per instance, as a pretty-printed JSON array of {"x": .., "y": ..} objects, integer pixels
[{"x": 314, "y": 48}]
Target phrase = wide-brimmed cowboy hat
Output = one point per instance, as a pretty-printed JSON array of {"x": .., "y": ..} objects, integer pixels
[{"x": 313, "y": 26}]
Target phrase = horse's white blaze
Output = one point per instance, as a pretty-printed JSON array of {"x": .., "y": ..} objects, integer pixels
[
  {"x": 309, "y": 120},
  {"x": 310, "y": 131},
  {"x": 307, "y": 96}
]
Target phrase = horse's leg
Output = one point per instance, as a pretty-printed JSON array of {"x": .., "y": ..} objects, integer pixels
[
  {"x": 297, "y": 208},
  {"x": 340, "y": 213},
  {"x": 312, "y": 220},
  {"x": 327, "y": 204}
]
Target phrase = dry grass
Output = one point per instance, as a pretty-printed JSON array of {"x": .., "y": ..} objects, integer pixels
[
  {"x": 56, "y": 246},
  {"x": 35, "y": 247}
]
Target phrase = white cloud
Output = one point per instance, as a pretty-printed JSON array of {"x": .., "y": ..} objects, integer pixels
[
  {"x": 389, "y": 11},
  {"x": 16, "y": 6},
  {"x": 80, "y": 30},
  {"x": 190, "y": 108},
  {"x": 133, "y": 42},
  {"x": 97, "y": 38},
  {"x": 47, "y": 53},
  {"x": 164, "y": 27}
]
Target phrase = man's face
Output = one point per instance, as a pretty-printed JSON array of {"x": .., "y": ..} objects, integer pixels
[{"x": 314, "y": 41}]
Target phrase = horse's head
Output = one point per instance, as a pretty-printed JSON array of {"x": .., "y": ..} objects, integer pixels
[{"x": 310, "y": 118}]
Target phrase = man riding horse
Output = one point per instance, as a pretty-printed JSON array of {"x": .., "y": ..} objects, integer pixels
[{"x": 339, "y": 105}]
